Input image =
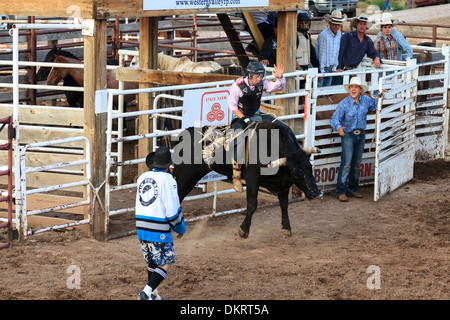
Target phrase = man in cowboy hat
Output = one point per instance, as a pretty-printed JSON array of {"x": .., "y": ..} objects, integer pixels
[
  {"x": 350, "y": 120},
  {"x": 157, "y": 212},
  {"x": 356, "y": 44},
  {"x": 385, "y": 43},
  {"x": 404, "y": 48},
  {"x": 327, "y": 46}
]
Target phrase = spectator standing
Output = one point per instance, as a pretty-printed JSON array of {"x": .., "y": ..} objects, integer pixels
[
  {"x": 386, "y": 5},
  {"x": 327, "y": 46},
  {"x": 262, "y": 21},
  {"x": 404, "y": 48},
  {"x": 356, "y": 44},
  {"x": 268, "y": 55},
  {"x": 306, "y": 54},
  {"x": 385, "y": 43},
  {"x": 264, "y": 26}
]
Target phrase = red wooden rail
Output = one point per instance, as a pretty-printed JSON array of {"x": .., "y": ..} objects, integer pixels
[{"x": 8, "y": 198}]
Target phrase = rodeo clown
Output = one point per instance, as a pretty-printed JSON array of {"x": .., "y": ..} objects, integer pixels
[
  {"x": 157, "y": 212},
  {"x": 244, "y": 101}
]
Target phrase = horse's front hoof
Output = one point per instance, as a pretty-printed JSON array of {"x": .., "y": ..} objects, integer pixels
[
  {"x": 286, "y": 232},
  {"x": 242, "y": 233}
]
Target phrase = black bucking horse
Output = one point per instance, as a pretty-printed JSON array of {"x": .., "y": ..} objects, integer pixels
[{"x": 291, "y": 167}]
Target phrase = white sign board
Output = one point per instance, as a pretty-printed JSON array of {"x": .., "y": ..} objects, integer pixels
[
  {"x": 101, "y": 101},
  {"x": 201, "y": 4},
  {"x": 206, "y": 107}
]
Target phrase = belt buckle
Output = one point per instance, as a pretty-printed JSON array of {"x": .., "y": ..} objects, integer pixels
[{"x": 357, "y": 132}]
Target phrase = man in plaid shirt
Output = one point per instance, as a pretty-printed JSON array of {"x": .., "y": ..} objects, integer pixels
[
  {"x": 385, "y": 43},
  {"x": 327, "y": 46}
]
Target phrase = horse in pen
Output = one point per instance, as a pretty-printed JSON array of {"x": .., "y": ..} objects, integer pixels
[
  {"x": 74, "y": 98},
  {"x": 57, "y": 74}
]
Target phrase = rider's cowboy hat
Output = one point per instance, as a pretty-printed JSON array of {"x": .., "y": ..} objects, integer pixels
[
  {"x": 362, "y": 17},
  {"x": 159, "y": 159},
  {"x": 357, "y": 82},
  {"x": 336, "y": 17}
]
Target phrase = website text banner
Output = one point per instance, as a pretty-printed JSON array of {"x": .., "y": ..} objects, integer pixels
[{"x": 201, "y": 4}]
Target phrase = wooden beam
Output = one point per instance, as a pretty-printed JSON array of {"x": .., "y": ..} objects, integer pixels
[
  {"x": 49, "y": 8},
  {"x": 106, "y": 9},
  {"x": 233, "y": 37},
  {"x": 133, "y": 8},
  {"x": 168, "y": 77},
  {"x": 254, "y": 30},
  {"x": 148, "y": 59},
  {"x": 95, "y": 124}
]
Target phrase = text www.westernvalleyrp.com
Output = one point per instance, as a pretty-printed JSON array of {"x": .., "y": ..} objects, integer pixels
[{"x": 222, "y": 3}]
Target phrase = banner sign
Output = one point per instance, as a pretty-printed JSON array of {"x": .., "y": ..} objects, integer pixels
[
  {"x": 201, "y": 4},
  {"x": 206, "y": 107},
  {"x": 327, "y": 174}
]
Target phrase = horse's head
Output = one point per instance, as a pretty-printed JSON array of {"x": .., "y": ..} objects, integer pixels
[
  {"x": 57, "y": 73},
  {"x": 44, "y": 71}
]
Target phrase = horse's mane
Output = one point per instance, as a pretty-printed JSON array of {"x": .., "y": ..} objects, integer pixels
[{"x": 58, "y": 51}]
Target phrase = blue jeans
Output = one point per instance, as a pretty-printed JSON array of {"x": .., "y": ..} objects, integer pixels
[
  {"x": 351, "y": 156},
  {"x": 326, "y": 81},
  {"x": 386, "y": 5}
]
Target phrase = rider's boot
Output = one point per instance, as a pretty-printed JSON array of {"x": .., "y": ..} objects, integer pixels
[{"x": 237, "y": 184}]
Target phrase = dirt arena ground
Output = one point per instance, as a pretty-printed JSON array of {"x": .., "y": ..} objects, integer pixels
[{"x": 337, "y": 251}]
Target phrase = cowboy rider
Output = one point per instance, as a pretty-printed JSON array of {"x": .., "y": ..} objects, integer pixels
[{"x": 244, "y": 101}]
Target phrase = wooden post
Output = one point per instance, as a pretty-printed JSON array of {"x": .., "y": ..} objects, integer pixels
[
  {"x": 286, "y": 47},
  {"x": 95, "y": 124},
  {"x": 234, "y": 40},
  {"x": 148, "y": 59}
]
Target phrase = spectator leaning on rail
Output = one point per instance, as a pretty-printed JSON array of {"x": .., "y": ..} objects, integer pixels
[
  {"x": 385, "y": 43},
  {"x": 158, "y": 212},
  {"x": 262, "y": 20},
  {"x": 356, "y": 44},
  {"x": 268, "y": 55},
  {"x": 327, "y": 46},
  {"x": 404, "y": 48},
  {"x": 350, "y": 120}
]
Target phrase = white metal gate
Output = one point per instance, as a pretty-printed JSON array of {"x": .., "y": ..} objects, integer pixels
[{"x": 395, "y": 131}]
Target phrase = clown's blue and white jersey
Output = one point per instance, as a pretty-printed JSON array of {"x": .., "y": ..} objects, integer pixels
[{"x": 158, "y": 207}]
